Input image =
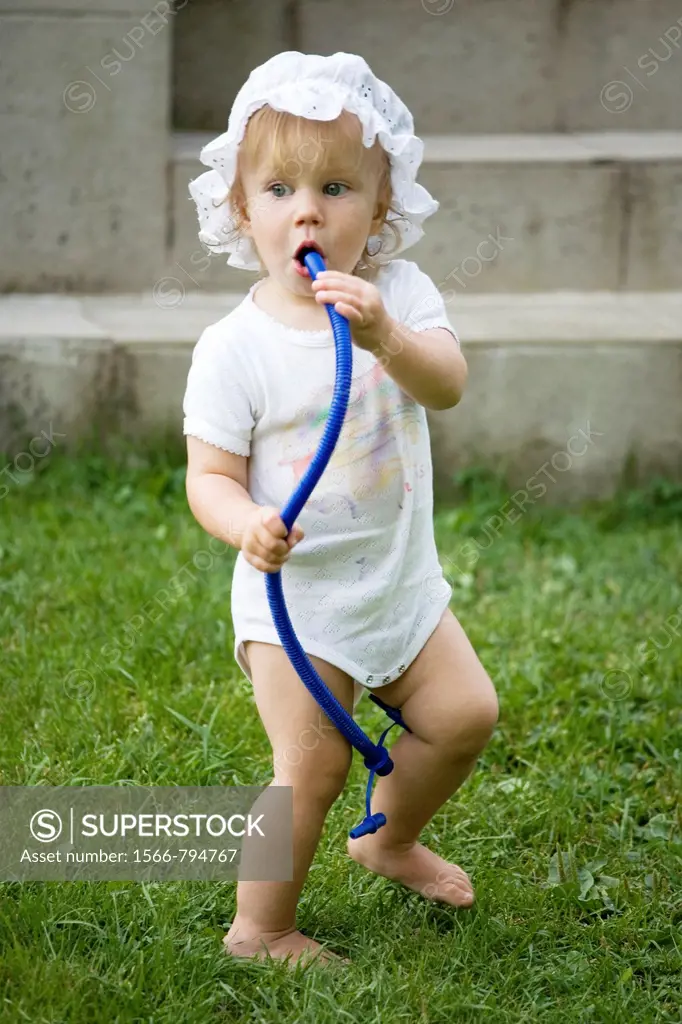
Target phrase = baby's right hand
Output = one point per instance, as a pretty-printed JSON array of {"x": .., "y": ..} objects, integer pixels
[{"x": 265, "y": 544}]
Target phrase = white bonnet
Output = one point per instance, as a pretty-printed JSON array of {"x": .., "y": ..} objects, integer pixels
[{"x": 317, "y": 88}]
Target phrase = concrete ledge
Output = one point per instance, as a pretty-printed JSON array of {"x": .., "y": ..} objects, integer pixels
[
  {"x": 542, "y": 147},
  {"x": 39, "y": 8},
  {"x": 615, "y": 318},
  {"x": 542, "y": 368}
]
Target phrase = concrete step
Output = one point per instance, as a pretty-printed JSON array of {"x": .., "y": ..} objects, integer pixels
[
  {"x": 460, "y": 65},
  {"x": 566, "y": 391},
  {"x": 595, "y": 211}
]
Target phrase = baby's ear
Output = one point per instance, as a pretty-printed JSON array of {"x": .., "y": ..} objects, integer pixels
[
  {"x": 244, "y": 222},
  {"x": 379, "y": 219},
  {"x": 246, "y": 208}
]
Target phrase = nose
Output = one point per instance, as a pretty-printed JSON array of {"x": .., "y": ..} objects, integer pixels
[{"x": 308, "y": 208}]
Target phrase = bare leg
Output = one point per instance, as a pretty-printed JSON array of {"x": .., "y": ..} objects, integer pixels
[
  {"x": 450, "y": 705},
  {"x": 311, "y": 756}
]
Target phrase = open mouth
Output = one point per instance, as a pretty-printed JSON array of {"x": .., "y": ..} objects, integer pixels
[{"x": 304, "y": 249}]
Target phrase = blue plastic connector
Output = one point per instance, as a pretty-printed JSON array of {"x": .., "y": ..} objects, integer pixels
[
  {"x": 368, "y": 826},
  {"x": 379, "y": 762},
  {"x": 393, "y": 713}
]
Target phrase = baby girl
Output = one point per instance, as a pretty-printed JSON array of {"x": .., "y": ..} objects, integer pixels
[{"x": 320, "y": 153}]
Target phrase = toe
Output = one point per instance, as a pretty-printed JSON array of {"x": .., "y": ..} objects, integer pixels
[
  {"x": 323, "y": 957},
  {"x": 453, "y": 886}
]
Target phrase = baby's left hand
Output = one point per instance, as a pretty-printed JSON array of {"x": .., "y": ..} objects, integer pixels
[{"x": 359, "y": 301}]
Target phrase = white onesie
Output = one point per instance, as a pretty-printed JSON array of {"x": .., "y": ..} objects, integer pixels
[{"x": 364, "y": 588}]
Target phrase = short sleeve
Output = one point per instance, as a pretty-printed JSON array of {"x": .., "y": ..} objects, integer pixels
[
  {"x": 217, "y": 406},
  {"x": 421, "y": 303}
]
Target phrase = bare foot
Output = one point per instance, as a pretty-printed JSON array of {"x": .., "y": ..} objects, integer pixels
[
  {"x": 417, "y": 868},
  {"x": 293, "y": 945}
]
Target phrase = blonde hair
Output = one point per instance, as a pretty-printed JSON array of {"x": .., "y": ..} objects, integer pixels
[{"x": 284, "y": 143}]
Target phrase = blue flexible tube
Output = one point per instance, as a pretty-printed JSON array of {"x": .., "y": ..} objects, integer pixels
[{"x": 376, "y": 757}]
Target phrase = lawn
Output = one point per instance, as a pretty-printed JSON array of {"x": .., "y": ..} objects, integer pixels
[{"x": 570, "y": 827}]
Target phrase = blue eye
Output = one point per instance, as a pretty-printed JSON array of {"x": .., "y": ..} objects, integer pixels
[{"x": 329, "y": 185}]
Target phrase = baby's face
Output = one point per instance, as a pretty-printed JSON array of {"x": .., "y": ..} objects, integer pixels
[{"x": 336, "y": 209}]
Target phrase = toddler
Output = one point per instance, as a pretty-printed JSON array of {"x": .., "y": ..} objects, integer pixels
[{"x": 320, "y": 153}]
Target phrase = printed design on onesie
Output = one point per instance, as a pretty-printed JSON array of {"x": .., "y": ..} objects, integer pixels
[{"x": 367, "y": 462}]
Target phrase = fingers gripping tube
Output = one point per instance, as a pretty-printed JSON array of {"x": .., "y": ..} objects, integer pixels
[{"x": 376, "y": 758}]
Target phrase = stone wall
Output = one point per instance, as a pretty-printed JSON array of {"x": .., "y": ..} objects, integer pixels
[
  {"x": 85, "y": 95},
  {"x": 460, "y": 65}
]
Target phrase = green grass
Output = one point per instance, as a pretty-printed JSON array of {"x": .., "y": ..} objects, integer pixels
[{"x": 569, "y": 827}]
